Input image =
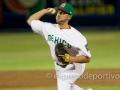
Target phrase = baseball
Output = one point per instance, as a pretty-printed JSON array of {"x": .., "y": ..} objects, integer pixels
[{"x": 53, "y": 11}]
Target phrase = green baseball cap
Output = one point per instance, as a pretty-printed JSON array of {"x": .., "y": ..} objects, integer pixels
[{"x": 66, "y": 7}]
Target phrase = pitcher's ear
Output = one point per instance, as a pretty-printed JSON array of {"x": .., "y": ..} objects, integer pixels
[{"x": 69, "y": 17}]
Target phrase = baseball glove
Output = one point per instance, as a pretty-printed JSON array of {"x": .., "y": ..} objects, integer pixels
[{"x": 61, "y": 53}]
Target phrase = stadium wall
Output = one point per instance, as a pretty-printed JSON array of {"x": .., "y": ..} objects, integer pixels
[{"x": 88, "y": 13}]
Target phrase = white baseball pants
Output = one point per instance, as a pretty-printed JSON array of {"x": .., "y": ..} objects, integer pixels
[{"x": 68, "y": 75}]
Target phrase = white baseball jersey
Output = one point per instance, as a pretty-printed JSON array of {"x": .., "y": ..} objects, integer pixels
[
  {"x": 75, "y": 44},
  {"x": 72, "y": 39}
]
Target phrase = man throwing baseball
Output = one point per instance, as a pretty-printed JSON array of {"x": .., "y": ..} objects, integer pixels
[{"x": 68, "y": 46}]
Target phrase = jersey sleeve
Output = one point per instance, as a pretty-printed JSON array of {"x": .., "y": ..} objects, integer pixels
[
  {"x": 36, "y": 26},
  {"x": 40, "y": 27},
  {"x": 84, "y": 50},
  {"x": 82, "y": 45}
]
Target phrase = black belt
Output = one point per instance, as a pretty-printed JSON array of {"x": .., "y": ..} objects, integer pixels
[{"x": 63, "y": 66}]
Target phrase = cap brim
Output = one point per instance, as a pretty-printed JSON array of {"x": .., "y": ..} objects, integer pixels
[{"x": 63, "y": 10}]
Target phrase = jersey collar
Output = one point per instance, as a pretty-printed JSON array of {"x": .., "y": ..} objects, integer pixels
[{"x": 64, "y": 28}]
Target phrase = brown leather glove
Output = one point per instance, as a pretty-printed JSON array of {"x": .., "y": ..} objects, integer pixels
[{"x": 61, "y": 53}]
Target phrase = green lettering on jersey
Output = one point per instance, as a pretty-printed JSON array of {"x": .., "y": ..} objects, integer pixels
[
  {"x": 60, "y": 40},
  {"x": 50, "y": 38},
  {"x": 69, "y": 46},
  {"x": 64, "y": 42},
  {"x": 57, "y": 40}
]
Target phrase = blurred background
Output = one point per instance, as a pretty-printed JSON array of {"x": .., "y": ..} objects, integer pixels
[
  {"x": 88, "y": 13},
  {"x": 25, "y": 58}
]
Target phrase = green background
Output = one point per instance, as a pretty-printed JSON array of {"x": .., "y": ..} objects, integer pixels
[{"x": 29, "y": 51}]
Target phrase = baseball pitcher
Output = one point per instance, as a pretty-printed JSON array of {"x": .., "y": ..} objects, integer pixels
[{"x": 69, "y": 48}]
